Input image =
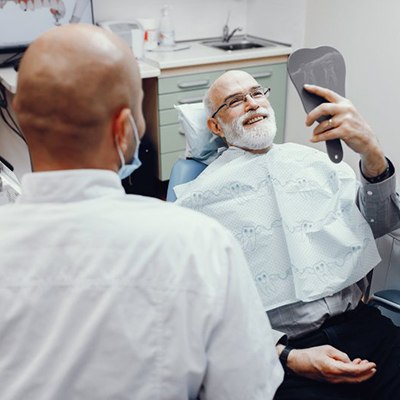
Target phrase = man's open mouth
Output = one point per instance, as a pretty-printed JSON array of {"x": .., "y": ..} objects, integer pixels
[{"x": 254, "y": 120}]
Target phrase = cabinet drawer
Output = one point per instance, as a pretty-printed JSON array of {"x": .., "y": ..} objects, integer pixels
[
  {"x": 187, "y": 82},
  {"x": 171, "y": 139},
  {"x": 166, "y": 101},
  {"x": 167, "y": 162},
  {"x": 168, "y": 117},
  {"x": 269, "y": 75},
  {"x": 263, "y": 74}
]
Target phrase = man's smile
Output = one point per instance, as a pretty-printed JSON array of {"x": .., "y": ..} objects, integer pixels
[{"x": 254, "y": 119}]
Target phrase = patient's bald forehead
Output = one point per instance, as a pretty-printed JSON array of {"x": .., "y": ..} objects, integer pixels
[
  {"x": 232, "y": 76},
  {"x": 230, "y": 82}
]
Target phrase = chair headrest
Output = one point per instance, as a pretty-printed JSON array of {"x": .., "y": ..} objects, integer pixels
[{"x": 201, "y": 144}]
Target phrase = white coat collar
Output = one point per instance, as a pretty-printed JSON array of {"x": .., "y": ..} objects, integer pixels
[{"x": 69, "y": 185}]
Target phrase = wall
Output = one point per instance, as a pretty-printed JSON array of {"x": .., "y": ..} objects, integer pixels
[
  {"x": 283, "y": 21},
  {"x": 192, "y": 19},
  {"x": 366, "y": 33}
]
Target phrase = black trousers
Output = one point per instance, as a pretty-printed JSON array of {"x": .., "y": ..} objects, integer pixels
[{"x": 364, "y": 333}]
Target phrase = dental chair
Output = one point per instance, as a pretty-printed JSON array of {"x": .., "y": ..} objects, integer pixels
[
  {"x": 202, "y": 147},
  {"x": 184, "y": 170},
  {"x": 386, "y": 274},
  {"x": 385, "y": 280}
]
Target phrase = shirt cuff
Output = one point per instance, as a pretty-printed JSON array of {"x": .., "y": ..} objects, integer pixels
[
  {"x": 380, "y": 190},
  {"x": 279, "y": 337}
]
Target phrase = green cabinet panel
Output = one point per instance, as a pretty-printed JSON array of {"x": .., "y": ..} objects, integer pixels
[
  {"x": 186, "y": 82},
  {"x": 172, "y": 138},
  {"x": 167, "y": 160},
  {"x": 166, "y": 101},
  {"x": 168, "y": 117}
]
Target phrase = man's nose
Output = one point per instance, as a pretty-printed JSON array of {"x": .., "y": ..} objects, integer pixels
[{"x": 250, "y": 103}]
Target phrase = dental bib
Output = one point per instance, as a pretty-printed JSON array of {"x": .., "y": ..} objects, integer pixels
[{"x": 294, "y": 213}]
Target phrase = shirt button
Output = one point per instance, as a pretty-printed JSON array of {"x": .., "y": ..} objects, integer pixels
[
  {"x": 372, "y": 220},
  {"x": 369, "y": 193}
]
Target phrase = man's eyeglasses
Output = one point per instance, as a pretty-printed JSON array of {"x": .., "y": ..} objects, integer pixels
[{"x": 238, "y": 99}]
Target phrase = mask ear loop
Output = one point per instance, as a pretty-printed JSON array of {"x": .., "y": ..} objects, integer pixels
[
  {"x": 121, "y": 156},
  {"x": 136, "y": 133},
  {"x": 135, "y": 130}
]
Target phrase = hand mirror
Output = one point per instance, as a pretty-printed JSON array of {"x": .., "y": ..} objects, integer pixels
[{"x": 323, "y": 66}]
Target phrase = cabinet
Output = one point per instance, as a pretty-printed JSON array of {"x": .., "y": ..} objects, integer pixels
[{"x": 191, "y": 87}]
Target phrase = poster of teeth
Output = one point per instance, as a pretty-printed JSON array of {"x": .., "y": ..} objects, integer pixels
[{"x": 22, "y": 21}]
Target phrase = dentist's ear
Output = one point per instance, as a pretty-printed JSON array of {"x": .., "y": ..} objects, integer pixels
[
  {"x": 121, "y": 128},
  {"x": 215, "y": 127}
]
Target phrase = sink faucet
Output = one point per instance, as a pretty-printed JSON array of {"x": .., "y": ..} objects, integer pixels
[{"x": 226, "y": 36}]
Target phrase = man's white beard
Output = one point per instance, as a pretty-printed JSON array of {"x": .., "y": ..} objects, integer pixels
[{"x": 257, "y": 137}]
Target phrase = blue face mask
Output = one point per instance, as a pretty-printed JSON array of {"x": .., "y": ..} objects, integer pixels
[{"x": 126, "y": 169}]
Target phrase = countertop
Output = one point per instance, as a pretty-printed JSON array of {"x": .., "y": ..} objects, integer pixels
[
  {"x": 194, "y": 54},
  {"x": 198, "y": 54},
  {"x": 147, "y": 70},
  {"x": 8, "y": 76}
]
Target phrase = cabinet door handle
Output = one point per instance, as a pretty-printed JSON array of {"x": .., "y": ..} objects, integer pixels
[
  {"x": 190, "y": 100},
  {"x": 180, "y": 131},
  {"x": 262, "y": 75},
  {"x": 194, "y": 84}
]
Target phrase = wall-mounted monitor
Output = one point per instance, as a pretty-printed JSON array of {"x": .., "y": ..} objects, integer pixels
[{"x": 22, "y": 21}]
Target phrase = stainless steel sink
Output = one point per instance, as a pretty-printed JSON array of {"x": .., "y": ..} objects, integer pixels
[
  {"x": 239, "y": 43},
  {"x": 237, "y": 46}
]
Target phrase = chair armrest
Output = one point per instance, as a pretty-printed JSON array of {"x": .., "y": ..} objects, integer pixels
[
  {"x": 184, "y": 170},
  {"x": 387, "y": 298}
]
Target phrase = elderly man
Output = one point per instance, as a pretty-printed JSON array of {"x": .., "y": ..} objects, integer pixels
[
  {"x": 105, "y": 295},
  {"x": 307, "y": 243}
]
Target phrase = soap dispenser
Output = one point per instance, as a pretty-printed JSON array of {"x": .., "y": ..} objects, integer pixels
[{"x": 166, "y": 28}]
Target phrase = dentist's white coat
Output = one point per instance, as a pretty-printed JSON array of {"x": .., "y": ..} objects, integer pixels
[{"x": 108, "y": 296}]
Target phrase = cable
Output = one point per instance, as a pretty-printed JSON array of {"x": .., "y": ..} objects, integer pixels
[
  {"x": 13, "y": 121},
  {"x": 6, "y": 163},
  {"x": 14, "y": 58},
  {"x": 11, "y": 61},
  {"x": 4, "y": 105},
  {"x": 16, "y": 131},
  {"x": 8, "y": 60},
  {"x": 3, "y": 99}
]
